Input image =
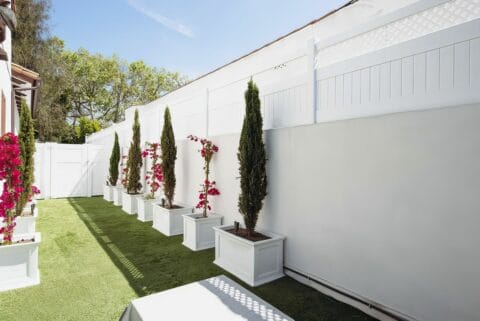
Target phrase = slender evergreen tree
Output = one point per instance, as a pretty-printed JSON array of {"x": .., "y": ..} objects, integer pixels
[
  {"x": 252, "y": 159},
  {"x": 114, "y": 160},
  {"x": 26, "y": 139},
  {"x": 134, "y": 162},
  {"x": 169, "y": 155}
]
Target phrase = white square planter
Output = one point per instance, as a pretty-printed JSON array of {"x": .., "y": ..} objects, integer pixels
[
  {"x": 129, "y": 203},
  {"x": 198, "y": 231},
  {"x": 255, "y": 263},
  {"x": 19, "y": 263},
  {"x": 145, "y": 208},
  {"x": 117, "y": 196},
  {"x": 169, "y": 221},
  {"x": 108, "y": 193},
  {"x": 26, "y": 224}
]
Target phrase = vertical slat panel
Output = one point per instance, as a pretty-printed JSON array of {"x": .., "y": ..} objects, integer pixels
[
  {"x": 396, "y": 79},
  {"x": 356, "y": 87},
  {"x": 339, "y": 91},
  {"x": 433, "y": 70},
  {"x": 375, "y": 83},
  {"x": 365, "y": 80},
  {"x": 347, "y": 89},
  {"x": 385, "y": 81},
  {"x": 323, "y": 92},
  {"x": 419, "y": 73},
  {"x": 407, "y": 76},
  {"x": 331, "y": 93},
  {"x": 462, "y": 65},
  {"x": 446, "y": 67},
  {"x": 475, "y": 63}
]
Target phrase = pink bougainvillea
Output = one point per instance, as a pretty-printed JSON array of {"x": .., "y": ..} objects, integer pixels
[
  {"x": 208, "y": 187},
  {"x": 12, "y": 184},
  {"x": 154, "y": 175},
  {"x": 35, "y": 191}
]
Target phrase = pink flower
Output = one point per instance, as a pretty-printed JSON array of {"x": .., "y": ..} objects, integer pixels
[{"x": 35, "y": 190}]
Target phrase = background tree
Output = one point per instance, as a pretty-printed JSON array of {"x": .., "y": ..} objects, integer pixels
[
  {"x": 31, "y": 33},
  {"x": 78, "y": 84},
  {"x": 252, "y": 159},
  {"x": 169, "y": 155},
  {"x": 87, "y": 127},
  {"x": 134, "y": 162},
  {"x": 114, "y": 160},
  {"x": 26, "y": 139}
]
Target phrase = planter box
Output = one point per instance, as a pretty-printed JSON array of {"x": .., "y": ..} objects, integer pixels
[
  {"x": 198, "y": 231},
  {"x": 145, "y": 208},
  {"x": 169, "y": 222},
  {"x": 129, "y": 203},
  {"x": 117, "y": 196},
  {"x": 255, "y": 263},
  {"x": 108, "y": 193},
  {"x": 19, "y": 264},
  {"x": 26, "y": 224}
]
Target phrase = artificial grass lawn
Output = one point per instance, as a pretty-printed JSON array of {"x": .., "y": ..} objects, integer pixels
[{"x": 94, "y": 259}]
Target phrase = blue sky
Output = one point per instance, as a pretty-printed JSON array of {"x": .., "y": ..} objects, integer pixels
[{"x": 189, "y": 36}]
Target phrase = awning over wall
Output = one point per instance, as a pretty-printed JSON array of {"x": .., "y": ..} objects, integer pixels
[{"x": 26, "y": 84}]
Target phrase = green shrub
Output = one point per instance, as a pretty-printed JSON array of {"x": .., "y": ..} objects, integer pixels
[
  {"x": 169, "y": 155},
  {"x": 252, "y": 159},
  {"x": 114, "y": 160},
  {"x": 26, "y": 139},
  {"x": 134, "y": 162},
  {"x": 86, "y": 126}
]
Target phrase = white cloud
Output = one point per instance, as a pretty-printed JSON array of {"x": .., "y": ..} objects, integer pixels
[{"x": 165, "y": 21}]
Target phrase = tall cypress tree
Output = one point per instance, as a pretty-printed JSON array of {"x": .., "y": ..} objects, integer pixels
[
  {"x": 26, "y": 139},
  {"x": 134, "y": 162},
  {"x": 252, "y": 159},
  {"x": 114, "y": 160},
  {"x": 169, "y": 155}
]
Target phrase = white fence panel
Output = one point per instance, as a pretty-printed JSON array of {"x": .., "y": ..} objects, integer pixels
[
  {"x": 439, "y": 69},
  {"x": 68, "y": 171},
  {"x": 63, "y": 170}
]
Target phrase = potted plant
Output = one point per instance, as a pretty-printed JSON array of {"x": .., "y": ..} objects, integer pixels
[
  {"x": 198, "y": 228},
  {"x": 134, "y": 165},
  {"x": 26, "y": 211},
  {"x": 111, "y": 183},
  {"x": 18, "y": 253},
  {"x": 118, "y": 191},
  {"x": 167, "y": 216},
  {"x": 153, "y": 178},
  {"x": 253, "y": 256}
]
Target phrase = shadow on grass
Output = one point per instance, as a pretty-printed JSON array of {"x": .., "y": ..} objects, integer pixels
[{"x": 152, "y": 262}]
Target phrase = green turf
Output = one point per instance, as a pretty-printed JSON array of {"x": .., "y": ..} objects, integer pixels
[{"x": 94, "y": 259}]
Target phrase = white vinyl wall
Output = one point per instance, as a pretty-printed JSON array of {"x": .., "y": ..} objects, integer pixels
[
  {"x": 371, "y": 118},
  {"x": 6, "y": 86}
]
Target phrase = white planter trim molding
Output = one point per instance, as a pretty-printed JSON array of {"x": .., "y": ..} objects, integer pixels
[
  {"x": 145, "y": 208},
  {"x": 117, "y": 196},
  {"x": 129, "y": 203},
  {"x": 255, "y": 263},
  {"x": 169, "y": 221},
  {"x": 198, "y": 233},
  {"x": 26, "y": 224},
  {"x": 108, "y": 193},
  {"x": 19, "y": 263}
]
